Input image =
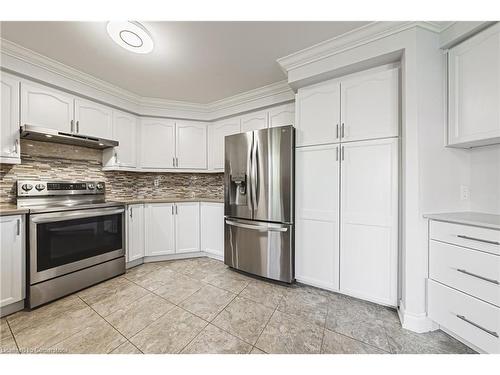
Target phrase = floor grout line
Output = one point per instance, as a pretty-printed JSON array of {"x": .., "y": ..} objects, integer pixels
[{"x": 13, "y": 336}]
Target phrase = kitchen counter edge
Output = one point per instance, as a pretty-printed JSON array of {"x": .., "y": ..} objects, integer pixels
[{"x": 477, "y": 219}]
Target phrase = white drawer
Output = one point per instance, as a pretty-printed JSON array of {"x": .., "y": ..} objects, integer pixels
[
  {"x": 473, "y": 320},
  {"x": 470, "y": 271},
  {"x": 468, "y": 236}
]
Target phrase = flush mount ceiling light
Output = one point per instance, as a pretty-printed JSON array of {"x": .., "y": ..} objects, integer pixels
[{"x": 130, "y": 35}]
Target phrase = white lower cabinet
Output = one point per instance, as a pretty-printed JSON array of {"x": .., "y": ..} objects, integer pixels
[
  {"x": 135, "y": 232},
  {"x": 212, "y": 228},
  {"x": 369, "y": 220},
  {"x": 159, "y": 224},
  {"x": 12, "y": 260},
  {"x": 347, "y": 218},
  {"x": 172, "y": 228},
  {"x": 187, "y": 227},
  {"x": 317, "y": 216},
  {"x": 463, "y": 286}
]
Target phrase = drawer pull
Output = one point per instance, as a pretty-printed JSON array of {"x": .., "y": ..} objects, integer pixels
[
  {"x": 478, "y": 276},
  {"x": 492, "y": 333},
  {"x": 478, "y": 239}
]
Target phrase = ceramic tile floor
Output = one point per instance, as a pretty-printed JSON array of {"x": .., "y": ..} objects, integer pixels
[{"x": 200, "y": 306}]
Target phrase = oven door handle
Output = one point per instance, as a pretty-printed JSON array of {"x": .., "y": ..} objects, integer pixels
[{"x": 71, "y": 215}]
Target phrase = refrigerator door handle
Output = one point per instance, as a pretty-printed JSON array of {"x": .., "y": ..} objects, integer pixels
[
  {"x": 260, "y": 228},
  {"x": 255, "y": 179},
  {"x": 249, "y": 187}
]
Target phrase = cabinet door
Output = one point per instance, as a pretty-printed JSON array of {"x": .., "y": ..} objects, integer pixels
[
  {"x": 93, "y": 119},
  {"x": 474, "y": 90},
  {"x": 317, "y": 216},
  {"x": 369, "y": 220},
  {"x": 282, "y": 115},
  {"x": 370, "y": 105},
  {"x": 12, "y": 262},
  {"x": 187, "y": 227},
  {"x": 9, "y": 120},
  {"x": 159, "y": 224},
  {"x": 254, "y": 121},
  {"x": 191, "y": 144},
  {"x": 46, "y": 107},
  {"x": 157, "y": 143},
  {"x": 318, "y": 114},
  {"x": 217, "y": 133},
  {"x": 125, "y": 132},
  {"x": 135, "y": 232},
  {"x": 212, "y": 228}
]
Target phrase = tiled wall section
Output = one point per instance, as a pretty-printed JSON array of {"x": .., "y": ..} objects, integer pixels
[{"x": 50, "y": 161}]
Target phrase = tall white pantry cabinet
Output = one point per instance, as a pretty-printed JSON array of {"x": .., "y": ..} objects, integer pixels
[{"x": 347, "y": 184}]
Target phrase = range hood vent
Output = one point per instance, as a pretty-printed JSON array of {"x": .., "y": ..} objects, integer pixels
[{"x": 36, "y": 133}]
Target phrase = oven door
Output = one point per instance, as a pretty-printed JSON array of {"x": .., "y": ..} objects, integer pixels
[{"x": 67, "y": 241}]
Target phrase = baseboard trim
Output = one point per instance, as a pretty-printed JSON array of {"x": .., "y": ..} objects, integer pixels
[
  {"x": 12, "y": 308},
  {"x": 419, "y": 323}
]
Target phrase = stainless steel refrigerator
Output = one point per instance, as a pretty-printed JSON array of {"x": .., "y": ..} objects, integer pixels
[{"x": 259, "y": 202}]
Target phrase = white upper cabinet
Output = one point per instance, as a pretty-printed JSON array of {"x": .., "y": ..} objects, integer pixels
[
  {"x": 318, "y": 114},
  {"x": 370, "y": 105},
  {"x": 187, "y": 227},
  {"x": 9, "y": 121},
  {"x": 254, "y": 121},
  {"x": 212, "y": 228},
  {"x": 217, "y": 133},
  {"x": 474, "y": 90},
  {"x": 125, "y": 132},
  {"x": 369, "y": 220},
  {"x": 135, "y": 232},
  {"x": 282, "y": 115},
  {"x": 46, "y": 107},
  {"x": 191, "y": 144},
  {"x": 12, "y": 257},
  {"x": 93, "y": 119},
  {"x": 157, "y": 143},
  {"x": 317, "y": 216},
  {"x": 159, "y": 224}
]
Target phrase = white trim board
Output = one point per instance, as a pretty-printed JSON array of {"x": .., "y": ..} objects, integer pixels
[{"x": 31, "y": 65}]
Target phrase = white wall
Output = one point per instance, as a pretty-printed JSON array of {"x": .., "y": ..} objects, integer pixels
[{"x": 485, "y": 179}]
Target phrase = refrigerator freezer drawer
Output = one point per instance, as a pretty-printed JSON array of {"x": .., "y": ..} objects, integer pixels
[{"x": 259, "y": 248}]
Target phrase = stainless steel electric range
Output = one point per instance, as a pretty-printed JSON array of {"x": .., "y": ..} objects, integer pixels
[{"x": 75, "y": 238}]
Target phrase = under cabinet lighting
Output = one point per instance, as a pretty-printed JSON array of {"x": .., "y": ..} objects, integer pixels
[{"x": 130, "y": 35}]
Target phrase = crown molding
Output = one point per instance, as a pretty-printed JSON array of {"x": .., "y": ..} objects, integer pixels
[
  {"x": 274, "y": 93},
  {"x": 352, "y": 39}
]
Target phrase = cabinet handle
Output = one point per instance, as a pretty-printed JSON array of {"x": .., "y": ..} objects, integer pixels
[
  {"x": 337, "y": 153},
  {"x": 342, "y": 131},
  {"x": 18, "y": 227},
  {"x": 478, "y": 239},
  {"x": 72, "y": 126},
  {"x": 173, "y": 161},
  {"x": 176, "y": 161},
  {"x": 78, "y": 126},
  {"x": 176, "y": 212},
  {"x": 492, "y": 333},
  {"x": 337, "y": 131},
  {"x": 116, "y": 157},
  {"x": 478, "y": 276},
  {"x": 131, "y": 214},
  {"x": 342, "y": 153},
  {"x": 172, "y": 209}
]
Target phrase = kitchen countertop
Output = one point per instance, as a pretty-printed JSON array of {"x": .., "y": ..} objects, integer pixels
[
  {"x": 11, "y": 209},
  {"x": 469, "y": 218},
  {"x": 166, "y": 200}
]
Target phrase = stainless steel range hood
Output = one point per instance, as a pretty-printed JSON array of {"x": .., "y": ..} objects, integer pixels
[{"x": 36, "y": 133}]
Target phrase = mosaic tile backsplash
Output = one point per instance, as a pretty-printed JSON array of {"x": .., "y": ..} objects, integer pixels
[{"x": 51, "y": 161}]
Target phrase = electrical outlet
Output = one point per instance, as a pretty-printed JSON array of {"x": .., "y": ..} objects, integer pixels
[
  {"x": 156, "y": 182},
  {"x": 464, "y": 193}
]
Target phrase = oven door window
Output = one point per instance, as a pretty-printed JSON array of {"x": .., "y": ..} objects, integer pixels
[{"x": 68, "y": 241}]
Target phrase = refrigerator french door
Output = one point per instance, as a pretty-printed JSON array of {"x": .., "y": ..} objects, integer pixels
[{"x": 259, "y": 197}]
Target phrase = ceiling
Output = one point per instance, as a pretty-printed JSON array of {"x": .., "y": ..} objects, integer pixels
[{"x": 198, "y": 62}]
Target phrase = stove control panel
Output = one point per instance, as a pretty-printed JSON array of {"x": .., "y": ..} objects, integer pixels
[{"x": 43, "y": 188}]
